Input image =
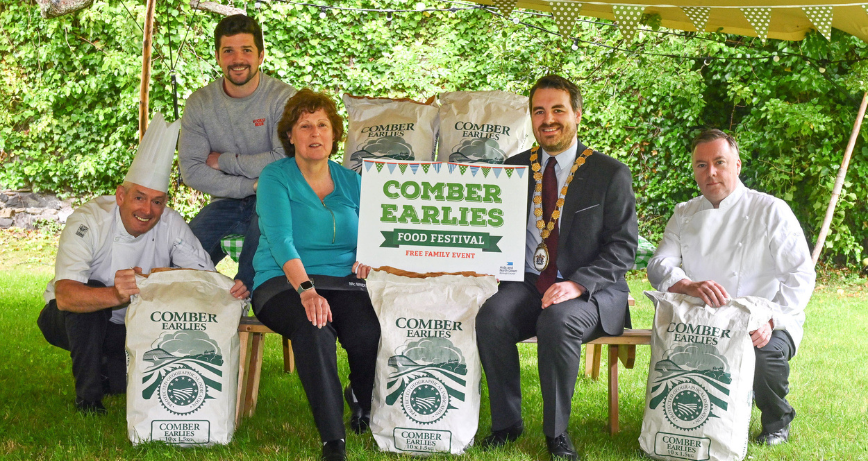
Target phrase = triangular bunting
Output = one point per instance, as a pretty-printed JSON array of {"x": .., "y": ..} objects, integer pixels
[
  {"x": 698, "y": 16},
  {"x": 759, "y": 18},
  {"x": 463, "y": 168},
  {"x": 628, "y": 18},
  {"x": 509, "y": 172},
  {"x": 414, "y": 167},
  {"x": 437, "y": 166},
  {"x": 391, "y": 167},
  {"x": 451, "y": 167},
  {"x": 520, "y": 172},
  {"x": 474, "y": 170},
  {"x": 566, "y": 14},
  {"x": 367, "y": 165},
  {"x": 402, "y": 167},
  {"x": 497, "y": 172},
  {"x": 505, "y": 6},
  {"x": 821, "y": 18},
  {"x": 485, "y": 171},
  {"x": 379, "y": 167},
  {"x": 425, "y": 167}
]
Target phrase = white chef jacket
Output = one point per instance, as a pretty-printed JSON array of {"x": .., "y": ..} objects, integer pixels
[
  {"x": 94, "y": 245},
  {"x": 752, "y": 245}
]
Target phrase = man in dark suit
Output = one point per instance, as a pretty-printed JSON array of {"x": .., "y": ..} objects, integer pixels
[{"x": 581, "y": 240}]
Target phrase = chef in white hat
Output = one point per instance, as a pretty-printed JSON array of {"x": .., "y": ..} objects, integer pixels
[{"x": 104, "y": 244}]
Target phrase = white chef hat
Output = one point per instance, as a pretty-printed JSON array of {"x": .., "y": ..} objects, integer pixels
[{"x": 153, "y": 161}]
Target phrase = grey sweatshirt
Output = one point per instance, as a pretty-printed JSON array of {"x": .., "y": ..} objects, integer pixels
[{"x": 243, "y": 130}]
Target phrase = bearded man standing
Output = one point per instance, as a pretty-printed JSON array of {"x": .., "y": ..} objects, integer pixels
[{"x": 581, "y": 240}]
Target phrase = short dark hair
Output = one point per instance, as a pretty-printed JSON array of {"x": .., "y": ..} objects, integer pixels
[
  {"x": 556, "y": 82},
  {"x": 307, "y": 101},
  {"x": 238, "y": 24},
  {"x": 713, "y": 135}
]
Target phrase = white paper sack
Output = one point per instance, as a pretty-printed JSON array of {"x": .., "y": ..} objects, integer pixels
[
  {"x": 700, "y": 379},
  {"x": 399, "y": 129},
  {"x": 182, "y": 347},
  {"x": 428, "y": 383},
  {"x": 482, "y": 126}
]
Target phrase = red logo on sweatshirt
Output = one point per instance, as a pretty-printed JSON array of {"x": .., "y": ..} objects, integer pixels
[{"x": 259, "y": 122}]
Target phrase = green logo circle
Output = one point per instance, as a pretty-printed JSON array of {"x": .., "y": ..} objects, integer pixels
[
  {"x": 687, "y": 406},
  {"x": 182, "y": 391},
  {"x": 425, "y": 400}
]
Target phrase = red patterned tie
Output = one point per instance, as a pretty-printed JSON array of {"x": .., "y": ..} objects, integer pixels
[{"x": 549, "y": 203}]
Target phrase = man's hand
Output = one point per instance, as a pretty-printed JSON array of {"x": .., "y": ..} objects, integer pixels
[
  {"x": 125, "y": 284},
  {"x": 239, "y": 291},
  {"x": 709, "y": 291},
  {"x": 213, "y": 160},
  {"x": 762, "y": 335},
  {"x": 316, "y": 307},
  {"x": 361, "y": 270},
  {"x": 560, "y": 292}
]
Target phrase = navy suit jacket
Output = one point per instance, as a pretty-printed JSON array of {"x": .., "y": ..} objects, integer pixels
[{"x": 598, "y": 234}]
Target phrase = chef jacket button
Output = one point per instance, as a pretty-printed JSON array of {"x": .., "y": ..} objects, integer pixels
[
  {"x": 739, "y": 243},
  {"x": 734, "y": 273}
]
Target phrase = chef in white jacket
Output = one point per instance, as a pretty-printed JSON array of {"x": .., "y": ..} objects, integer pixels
[
  {"x": 732, "y": 242},
  {"x": 104, "y": 244}
]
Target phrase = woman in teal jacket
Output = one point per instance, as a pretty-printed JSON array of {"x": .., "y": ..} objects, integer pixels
[{"x": 305, "y": 265}]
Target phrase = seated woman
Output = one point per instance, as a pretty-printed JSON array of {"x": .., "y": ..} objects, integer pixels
[{"x": 308, "y": 210}]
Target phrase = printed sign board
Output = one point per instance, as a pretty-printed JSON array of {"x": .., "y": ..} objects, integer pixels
[{"x": 444, "y": 217}]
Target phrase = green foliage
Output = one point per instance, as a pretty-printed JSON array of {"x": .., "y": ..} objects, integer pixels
[{"x": 70, "y": 93}]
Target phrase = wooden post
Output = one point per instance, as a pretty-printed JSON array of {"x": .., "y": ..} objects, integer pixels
[
  {"x": 145, "y": 87},
  {"x": 839, "y": 181}
]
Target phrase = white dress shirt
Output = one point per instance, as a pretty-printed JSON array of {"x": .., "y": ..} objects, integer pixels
[
  {"x": 95, "y": 244},
  {"x": 565, "y": 162},
  {"x": 752, "y": 245}
]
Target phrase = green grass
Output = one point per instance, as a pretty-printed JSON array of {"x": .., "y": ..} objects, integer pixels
[{"x": 38, "y": 421}]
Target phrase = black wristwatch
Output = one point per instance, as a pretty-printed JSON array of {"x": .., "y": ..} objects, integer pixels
[{"x": 304, "y": 286}]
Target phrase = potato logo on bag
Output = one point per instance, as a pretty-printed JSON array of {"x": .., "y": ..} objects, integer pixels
[
  {"x": 482, "y": 126},
  {"x": 397, "y": 129}
]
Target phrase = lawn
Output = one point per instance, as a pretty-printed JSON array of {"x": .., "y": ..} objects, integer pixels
[{"x": 38, "y": 421}]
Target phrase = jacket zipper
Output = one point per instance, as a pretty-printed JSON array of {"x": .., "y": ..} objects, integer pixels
[{"x": 334, "y": 225}]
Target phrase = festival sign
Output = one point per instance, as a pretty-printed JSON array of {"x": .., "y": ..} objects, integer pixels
[{"x": 444, "y": 217}]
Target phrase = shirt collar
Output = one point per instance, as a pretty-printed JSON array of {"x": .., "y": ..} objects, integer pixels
[
  {"x": 730, "y": 199},
  {"x": 120, "y": 230},
  {"x": 565, "y": 159}
]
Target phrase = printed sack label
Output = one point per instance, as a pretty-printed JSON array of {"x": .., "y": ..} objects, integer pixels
[
  {"x": 482, "y": 126},
  {"x": 428, "y": 382},
  {"x": 700, "y": 379},
  {"x": 182, "y": 347},
  {"x": 398, "y": 129}
]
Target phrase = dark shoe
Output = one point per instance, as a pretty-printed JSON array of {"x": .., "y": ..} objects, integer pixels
[
  {"x": 360, "y": 419},
  {"x": 771, "y": 439},
  {"x": 561, "y": 447},
  {"x": 501, "y": 437},
  {"x": 89, "y": 408},
  {"x": 334, "y": 450}
]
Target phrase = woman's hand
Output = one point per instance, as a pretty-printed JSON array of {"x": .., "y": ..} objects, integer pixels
[
  {"x": 316, "y": 307},
  {"x": 361, "y": 270}
]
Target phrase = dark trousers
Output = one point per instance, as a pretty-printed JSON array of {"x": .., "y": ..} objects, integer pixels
[
  {"x": 95, "y": 344},
  {"x": 771, "y": 381},
  {"x": 354, "y": 324},
  {"x": 514, "y": 314},
  {"x": 225, "y": 217}
]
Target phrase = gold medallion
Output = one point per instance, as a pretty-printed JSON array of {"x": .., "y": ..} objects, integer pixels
[{"x": 541, "y": 257}]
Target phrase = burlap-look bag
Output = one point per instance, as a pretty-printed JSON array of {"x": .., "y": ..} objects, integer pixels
[
  {"x": 427, "y": 387},
  {"x": 700, "y": 380},
  {"x": 182, "y": 346}
]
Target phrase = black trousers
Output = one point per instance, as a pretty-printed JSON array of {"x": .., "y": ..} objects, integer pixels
[
  {"x": 95, "y": 344},
  {"x": 354, "y": 324},
  {"x": 514, "y": 314},
  {"x": 771, "y": 381}
]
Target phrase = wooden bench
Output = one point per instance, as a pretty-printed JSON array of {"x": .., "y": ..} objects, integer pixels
[
  {"x": 251, "y": 333},
  {"x": 621, "y": 348}
]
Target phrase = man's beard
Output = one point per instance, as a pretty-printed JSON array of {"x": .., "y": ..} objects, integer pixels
[
  {"x": 236, "y": 83},
  {"x": 560, "y": 144}
]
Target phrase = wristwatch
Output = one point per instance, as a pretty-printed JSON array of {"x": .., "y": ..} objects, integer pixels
[{"x": 304, "y": 286}]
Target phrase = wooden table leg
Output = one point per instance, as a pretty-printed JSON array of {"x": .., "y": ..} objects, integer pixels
[
  {"x": 252, "y": 394},
  {"x": 288, "y": 356},
  {"x": 243, "y": 338},
  {"x": 613, "y": 389}
]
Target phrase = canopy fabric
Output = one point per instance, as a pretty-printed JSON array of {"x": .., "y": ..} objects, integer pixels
[{"x": 789, "y": 19}]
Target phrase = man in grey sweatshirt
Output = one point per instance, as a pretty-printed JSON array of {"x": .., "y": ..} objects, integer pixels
[{"x": 228, "y": 135}]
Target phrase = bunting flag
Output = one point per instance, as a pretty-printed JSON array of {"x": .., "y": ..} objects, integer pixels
[
  {"x": 474, "y": 170},
  {"x": 414, "y": 167},
  {"x": 821, "y": 18},
  {"x": 759, "y": 18},
  {"x": 425, "y": 167},
  {"x": 698, "y": 16},
  {"x": 497, "y": 172},
  {"x": 566, "y": 14},
  {"x": 505, "y": 6},
  {"x": 368, "y": 165},
  {"x": 402, "y": 167},
  {"x": 628, "y": 17}
]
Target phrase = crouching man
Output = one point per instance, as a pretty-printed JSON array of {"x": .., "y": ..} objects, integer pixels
[
  {"x": 732, "y": 241},
  {"x": 105, "y": 243}
]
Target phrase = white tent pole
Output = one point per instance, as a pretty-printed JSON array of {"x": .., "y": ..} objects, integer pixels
[
  {"x": 145, "y": 87},
  {"x": 839, "y": 181}
]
